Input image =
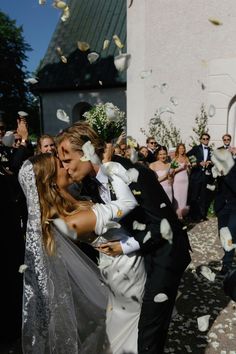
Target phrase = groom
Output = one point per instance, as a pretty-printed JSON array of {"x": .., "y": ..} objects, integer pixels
[{"x": 165, "y": 261}]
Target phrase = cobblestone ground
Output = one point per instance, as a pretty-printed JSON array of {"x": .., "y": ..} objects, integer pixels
[{"x": 199, "y": 296}]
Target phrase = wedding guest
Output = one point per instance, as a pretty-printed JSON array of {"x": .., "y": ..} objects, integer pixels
[
  {"x": 151, "y": 146},
  {"x": 181, "y": 181},
  {"x": 163, "y": 170},
  {"x": 142, "y": 155},
  {"x": 171, "y": 153},
  {"x": 224, "y": 170},
  {"x": 45, "y": 143},
  {"x": 199, "y": 195},
  {"x": 226, "y": 138}
]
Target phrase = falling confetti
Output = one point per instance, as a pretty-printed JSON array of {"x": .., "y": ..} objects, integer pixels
[
  {"x": 66, "y": 14},
  {"x": 145, "y": 73},
  {"x": 163, "y": 87},
  {"x": 83, "y": 46},
  {"x": 31, "y": 80},
  {"x": 61, "y": 115},
  {"x": 100, "y": 82},
  {"x": 118, "y": 42},
  {"x": 63, "y": 59},
  {"x": 165, "y": 109},
  {"x": 207, "y": 273},
  {"x": 174, "y": 101},
  {"x": 211, "y": 110},
  {"x": 105, "y": 44},
  {"x": 203, "y": 323},
  {"x": 59, "y": 4},
  {"x": 215, "y": 21},
  {"x": 59, "y": 51},
  {"x": 122, "y": 61},
  {"x": 92, "y": 57}
]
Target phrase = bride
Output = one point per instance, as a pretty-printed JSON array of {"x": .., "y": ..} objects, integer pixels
[{"x": 66, "y": 307}]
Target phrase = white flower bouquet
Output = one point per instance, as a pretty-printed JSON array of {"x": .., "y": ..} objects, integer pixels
[{"x": 107, "y": 120}]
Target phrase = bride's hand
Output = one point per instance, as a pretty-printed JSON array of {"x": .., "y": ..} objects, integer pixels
[{"x": 112, "y": 248}]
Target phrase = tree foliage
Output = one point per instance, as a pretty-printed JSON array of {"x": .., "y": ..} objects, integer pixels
[
  {"x": 14, "y": 94},
  {"x": 201, "y": 122},
  {"x": 165, "y": 133}
]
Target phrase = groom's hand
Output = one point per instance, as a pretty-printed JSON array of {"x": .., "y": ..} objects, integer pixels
[{"x": 112, "y": 248}]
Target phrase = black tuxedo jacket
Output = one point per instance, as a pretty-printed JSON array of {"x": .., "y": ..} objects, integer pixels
[
  {"x": 198, "y": 172},
  {"x": 154, "y": 205},
  {"x": 226, "y": 191}
]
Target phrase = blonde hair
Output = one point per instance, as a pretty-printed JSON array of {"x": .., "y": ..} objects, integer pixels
[
  {"x": 177, "y": 150},
  {"x": 51, "y": 199},
  {"x": 78, "y": 134},
  {"x": 40, "y": 140}
]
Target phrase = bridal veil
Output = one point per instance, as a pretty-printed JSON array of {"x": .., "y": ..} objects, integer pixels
[{"x": 64, "y": 298}]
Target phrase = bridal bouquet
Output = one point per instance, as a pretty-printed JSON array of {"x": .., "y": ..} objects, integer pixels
[
  {"x": 174, "y": 164},
  {"x": 192, "y": 159},
  {"x": 107, "y": 120}
]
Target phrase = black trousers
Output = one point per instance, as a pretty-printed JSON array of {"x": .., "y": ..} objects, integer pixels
[
  {"x": 155, "y": 316},
  {"x": 200, "y": 198}
]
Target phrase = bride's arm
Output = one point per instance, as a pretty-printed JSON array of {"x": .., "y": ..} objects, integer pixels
[{"x": 99, "y": 218}]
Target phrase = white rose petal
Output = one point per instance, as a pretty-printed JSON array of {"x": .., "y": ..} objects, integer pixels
[
  {"x": 207, "y": 273},
  {"x": 162, "y": 205},
  {"x": 138, "y": 226},
  {"x": 22, "y": 268},
  {"x": 147, "y": 237},
  {"x": 203, "y": 323},
  {"x": 161, "y": 297}
]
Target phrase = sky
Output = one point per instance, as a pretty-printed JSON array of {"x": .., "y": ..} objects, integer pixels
[{"x": 39, "y": 23}]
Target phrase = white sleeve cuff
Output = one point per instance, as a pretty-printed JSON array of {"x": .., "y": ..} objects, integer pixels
[{"x": 129, "y": 245}]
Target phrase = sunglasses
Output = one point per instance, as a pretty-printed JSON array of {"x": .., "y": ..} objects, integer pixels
[
  {"x": 226, "y": 139},
  {"x": 205, "y": 138},
  {"x": 18, "y": 139},
  {"x": 152, "y": 142}
]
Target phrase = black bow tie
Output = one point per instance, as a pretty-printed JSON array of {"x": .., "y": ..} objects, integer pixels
[
  {"x": 226, "y": 147},
  {"x": 205, "y": 147}
]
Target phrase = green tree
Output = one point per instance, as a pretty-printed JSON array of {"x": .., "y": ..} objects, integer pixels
[
  {"x": 165, "y": 133},
  {"x": 201, "y": 122},
  {"x": 14, "y": 95}
]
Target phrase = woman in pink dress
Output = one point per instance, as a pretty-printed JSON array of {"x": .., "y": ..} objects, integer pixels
[
  {"x": 181, "y": 181},
  {"x": 164, "y": 173}
]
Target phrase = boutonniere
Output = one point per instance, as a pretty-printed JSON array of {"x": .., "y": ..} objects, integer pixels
[{"x": 136, "y": 192}]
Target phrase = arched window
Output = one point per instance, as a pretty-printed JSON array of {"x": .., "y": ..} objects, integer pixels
[{"x": 79, "y": 109}]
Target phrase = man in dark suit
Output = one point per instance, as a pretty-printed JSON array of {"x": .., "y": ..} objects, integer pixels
[
  {"x": 200, "y": 196},
  {"x": 226, "y": 138},
  {"x": 151, "y": 146},
  {"x": 224, "y": 171},
  {"x": 165, "y": 260}
]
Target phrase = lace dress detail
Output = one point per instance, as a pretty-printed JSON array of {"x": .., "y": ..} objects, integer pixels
[{"x": 64, "y": 298}]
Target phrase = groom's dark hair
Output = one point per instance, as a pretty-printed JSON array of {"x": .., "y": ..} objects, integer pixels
[{"x": 78, "y": 134}]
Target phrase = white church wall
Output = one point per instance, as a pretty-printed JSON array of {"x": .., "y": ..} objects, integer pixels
[{"x": 175, "y": 43}]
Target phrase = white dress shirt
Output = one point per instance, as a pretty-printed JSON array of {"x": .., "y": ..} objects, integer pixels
[
  {"x": 205, "y": 152},
  {"x": 128, "y": 244}
]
